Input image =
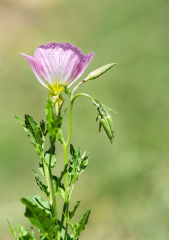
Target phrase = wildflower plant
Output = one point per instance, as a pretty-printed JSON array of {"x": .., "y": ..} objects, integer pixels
[{"x": 57, "y": 67}]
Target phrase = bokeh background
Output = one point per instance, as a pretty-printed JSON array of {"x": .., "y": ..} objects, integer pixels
[{"x": 126, "y": 184}]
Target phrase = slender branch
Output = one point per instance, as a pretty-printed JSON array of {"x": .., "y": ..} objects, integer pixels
[
  {"x": 71, "y": 192},
  {"x": 82, "y": 94},
  {"x": 66, "y": 145},
  {"x": 52, "y": 188}
]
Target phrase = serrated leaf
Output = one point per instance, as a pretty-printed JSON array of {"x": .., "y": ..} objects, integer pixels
[
  {"x": 34, "y": 132},
  {"x": 79, "y": 227},
  {"x": 42, "y": 186},
  {"x": 40, "y": 218},
  {"x": 72, "y": 213},
  {"x": 12, "y": 231},
  {"x": 24, "y": 234},
  {"x": 68, "y": 93}
]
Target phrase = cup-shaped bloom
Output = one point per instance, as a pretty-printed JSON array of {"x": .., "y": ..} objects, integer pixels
[{"x": 54, "y": 64}]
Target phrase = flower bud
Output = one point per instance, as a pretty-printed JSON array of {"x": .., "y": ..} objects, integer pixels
[{"x": 98, "y": 72}]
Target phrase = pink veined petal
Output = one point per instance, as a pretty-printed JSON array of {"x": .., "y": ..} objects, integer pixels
[
  {"x": 62, "y": 62},
  {"x": 38, "y": 70},
  {"x": 81, "y": 67},
  {"x": 55, "y": 64},
  {"x": 48, "y": 56}
]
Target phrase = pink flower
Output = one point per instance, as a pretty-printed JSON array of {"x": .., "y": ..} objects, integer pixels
[{"x": 54, "y": 64}]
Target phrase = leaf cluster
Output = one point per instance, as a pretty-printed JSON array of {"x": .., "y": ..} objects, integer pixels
[{"x": 77, "y": 164}]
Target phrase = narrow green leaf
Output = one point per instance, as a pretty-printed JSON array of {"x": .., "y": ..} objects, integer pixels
[
  {"x": 40, "y": 218},
  {"x": 43, "y": 127},
  {"x": 109, "y": 109},
  {"x": 72, "y": 213},
  {"x": 42, "y": 186},
  {"x": 12, "y": 231},
  {"x": 68, "y": 93},
  {"x": 79, "y": 227},
  {"x": 19, "y": 120}
]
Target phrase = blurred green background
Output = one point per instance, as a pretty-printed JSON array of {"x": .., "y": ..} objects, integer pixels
[{"x": 126, "y": 184}]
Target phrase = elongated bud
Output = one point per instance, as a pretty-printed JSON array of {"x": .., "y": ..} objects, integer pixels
[{"x": 98, "y": 72}]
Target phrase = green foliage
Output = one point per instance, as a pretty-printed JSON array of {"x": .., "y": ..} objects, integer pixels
[
  {"x": 78, "y": 227},
  {"x": 42, "y": 186},
  {"x": 63, "y": 232},
  {"x": 68, "y": 93},
  {"x": 34, "y": 132},
  {"x": 105, "y": 119},
  {"x": 53, "y": 122},
  {"x": 43, "y": 127},
  {"x": 77, "y": 164},
  {"x": 44, "y": 164},
  {"x": 24, "y": 234},
  {"x": 60, "y": 189},
  {"x": 72, "y": 213},
  {"x": 40, "y": 217},
  {"x": 39, "y": 201},
  {"x": 12, "y": 231}
]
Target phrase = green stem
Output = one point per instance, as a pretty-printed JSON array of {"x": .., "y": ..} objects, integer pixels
[
  {"x": 52, "y": 188},
  {"x": 66, "y": 145},
  {"x": 82, "y": 94},
  {"x": 71, "y": 192},
  {"x": 46, "y": 175}
]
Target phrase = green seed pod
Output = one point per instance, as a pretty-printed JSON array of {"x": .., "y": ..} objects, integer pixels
[
  {"x": 105, "y": 123},
  {"x": 109, "y": 119}
]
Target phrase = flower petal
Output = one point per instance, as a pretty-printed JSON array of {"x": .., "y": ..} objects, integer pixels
[
  {"x": 38, "y": 70},
  {"x": 63, "y": 63},
  {"x": 81, "y": 67}
]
